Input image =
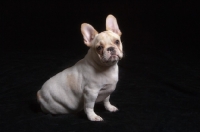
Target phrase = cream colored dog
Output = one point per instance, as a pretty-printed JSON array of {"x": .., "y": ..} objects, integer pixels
[{"x": 91, "y": 79}]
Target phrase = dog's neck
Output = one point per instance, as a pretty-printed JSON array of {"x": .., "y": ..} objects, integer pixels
[{"x": 93, "y": 60}]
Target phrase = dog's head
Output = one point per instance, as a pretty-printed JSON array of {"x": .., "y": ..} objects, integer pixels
[{"x": 107, "y": 45}]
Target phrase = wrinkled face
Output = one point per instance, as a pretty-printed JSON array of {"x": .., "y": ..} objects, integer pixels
[{"x": 108, "y": 46}]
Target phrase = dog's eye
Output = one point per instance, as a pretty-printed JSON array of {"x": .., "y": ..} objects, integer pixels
[
  {"x": 99, "y": 47},
  {"x": 117, "y": 42}
]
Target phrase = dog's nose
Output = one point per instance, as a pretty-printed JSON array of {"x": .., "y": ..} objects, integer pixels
[{"x": 110, "y": 49}]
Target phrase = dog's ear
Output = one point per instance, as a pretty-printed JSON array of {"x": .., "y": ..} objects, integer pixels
[
  {"x": 111, "y": 24},
  {"x": 88, "y": 33}
]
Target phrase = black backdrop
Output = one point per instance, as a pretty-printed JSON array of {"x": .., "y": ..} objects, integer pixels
[{"x": 159, "y": 76}]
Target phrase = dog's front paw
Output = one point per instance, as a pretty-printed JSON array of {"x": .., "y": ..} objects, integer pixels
[
  {"x": 95, "y": 118},
  {"x": 111, "y": 108}
]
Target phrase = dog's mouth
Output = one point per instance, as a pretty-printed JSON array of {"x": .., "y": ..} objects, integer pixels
[
  {"x": 117, "y": 57},
  {"x": 113, "y": 59}
]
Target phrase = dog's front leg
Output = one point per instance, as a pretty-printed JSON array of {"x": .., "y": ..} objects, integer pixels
[
  {"x": 90, "y": 96},
  {"x": 109, "y": 106}
]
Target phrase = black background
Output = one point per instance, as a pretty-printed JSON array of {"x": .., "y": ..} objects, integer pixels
[{"x": 159, "y": 76}]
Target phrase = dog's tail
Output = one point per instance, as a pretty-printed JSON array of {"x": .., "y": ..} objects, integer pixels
[{"x": 38, "y": 96}]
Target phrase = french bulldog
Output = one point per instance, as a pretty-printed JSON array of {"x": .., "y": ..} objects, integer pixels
[{"x": 90, "y": 80}]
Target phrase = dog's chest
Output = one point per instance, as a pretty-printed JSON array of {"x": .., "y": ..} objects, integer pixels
[
  {"x": 107, "y": 89},
  {"x": 109, "y": 81},
  {"x": 106, "y": 86}
]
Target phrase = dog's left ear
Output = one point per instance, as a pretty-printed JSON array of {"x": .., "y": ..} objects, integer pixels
[
  {"x": 88, "y": 33},
  {"x": 111, "y": 24}
]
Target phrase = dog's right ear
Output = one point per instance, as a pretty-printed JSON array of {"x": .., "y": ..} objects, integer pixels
[
  {"x": 88, "y": 33},
  {"x": 111, "y": 24}
]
